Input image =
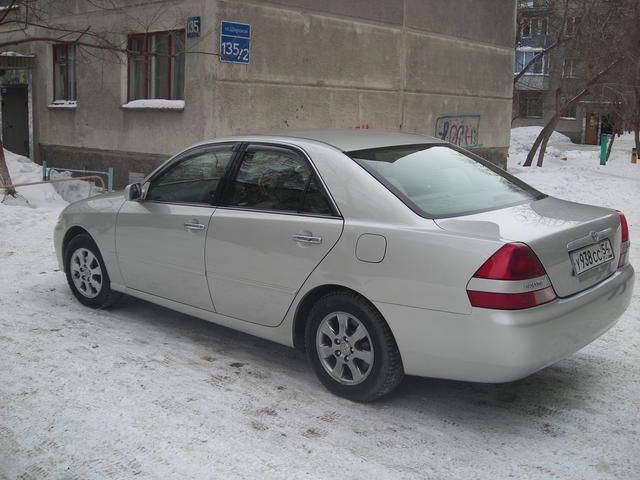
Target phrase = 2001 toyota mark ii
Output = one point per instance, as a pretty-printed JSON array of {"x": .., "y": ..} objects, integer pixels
[{"x": 380, "y": 254}]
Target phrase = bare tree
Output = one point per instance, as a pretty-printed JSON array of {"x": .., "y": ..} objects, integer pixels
[{"x": 600, "y": 50}]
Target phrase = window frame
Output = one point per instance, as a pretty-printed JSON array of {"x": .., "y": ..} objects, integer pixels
[
  {"x": 267, "y": 146},
  {"x": 529, "y": 97},
  {"x": 526, "y": 22},
  {"x": 541, "y": 21},
  {"x": 186, "y": 155},
  {"x": 535, "y": 51},
  {"x": 146, "y": 39},
  {"x": 564, "y": 116},
  {"x": 573, "y": 63},
  {"x": 55, "y": 62}
]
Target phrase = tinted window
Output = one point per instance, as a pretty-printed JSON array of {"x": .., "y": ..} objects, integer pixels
[
  {"x": 436, "y": 180},
  {"x": 276, "y": 180},
  {"x": 193, "y": 180}
]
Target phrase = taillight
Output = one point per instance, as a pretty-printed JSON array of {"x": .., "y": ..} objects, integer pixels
[
  {"x": 512, "y": 279},
  {"x": 624, "y": 245}
]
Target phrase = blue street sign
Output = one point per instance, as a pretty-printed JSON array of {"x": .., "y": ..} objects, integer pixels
[
  {"x": 193, "y": 27},
  {"x": 235, "y": 42}
]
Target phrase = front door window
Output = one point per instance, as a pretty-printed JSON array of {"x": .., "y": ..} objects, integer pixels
[{"x": 193, "y": 180}]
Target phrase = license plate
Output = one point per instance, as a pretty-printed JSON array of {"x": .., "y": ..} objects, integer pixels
[{"x": 590, "y": 257}]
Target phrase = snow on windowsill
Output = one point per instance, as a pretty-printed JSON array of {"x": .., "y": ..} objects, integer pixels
[
  {"x": 63, "y": 105},
  {"x": 155, "y": 104}
]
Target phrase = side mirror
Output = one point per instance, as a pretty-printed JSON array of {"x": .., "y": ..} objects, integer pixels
[{"x": 133, "y": 192}]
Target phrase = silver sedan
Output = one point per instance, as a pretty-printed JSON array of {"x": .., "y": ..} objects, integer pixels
[{"x": 380, "y": 254}]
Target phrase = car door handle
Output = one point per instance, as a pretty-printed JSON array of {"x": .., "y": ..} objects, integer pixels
[
  {"x": 193, "y": 227},
  {"x": 303, "y": 238}
]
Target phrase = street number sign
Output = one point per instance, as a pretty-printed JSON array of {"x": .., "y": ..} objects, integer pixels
[{"x": 235, "y": 42}]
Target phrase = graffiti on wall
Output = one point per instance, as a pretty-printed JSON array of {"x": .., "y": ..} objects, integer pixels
[{"x": 462, "y": 130}]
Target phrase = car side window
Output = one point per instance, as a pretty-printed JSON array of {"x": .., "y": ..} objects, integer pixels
[
  {"x": 276, "y": 180},
  {"x": 192, "y": 180}
]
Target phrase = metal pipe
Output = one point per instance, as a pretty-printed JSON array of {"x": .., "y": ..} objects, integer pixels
[{"x": 57, "y": 180}]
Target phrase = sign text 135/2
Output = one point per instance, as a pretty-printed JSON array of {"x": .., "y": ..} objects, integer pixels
[{"x": 235, "y": 42}]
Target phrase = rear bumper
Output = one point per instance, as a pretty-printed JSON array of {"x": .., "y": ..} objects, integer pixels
[{"x": 501, "y": 346}]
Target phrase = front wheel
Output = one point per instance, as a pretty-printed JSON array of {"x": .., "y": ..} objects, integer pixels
[
  {"x": 86, "y": 273},
  {"x": 351, "y": 348}
]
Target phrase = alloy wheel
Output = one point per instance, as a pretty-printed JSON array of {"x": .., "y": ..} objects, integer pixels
[
  {"x": 86, "y": 273},
  {"x": 344, "y": 348}
]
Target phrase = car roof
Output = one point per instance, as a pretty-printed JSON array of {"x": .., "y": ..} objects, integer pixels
[{"x": 351, "y": 139}]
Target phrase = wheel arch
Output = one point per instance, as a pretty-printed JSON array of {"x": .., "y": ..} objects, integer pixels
[
  {"x": 308, "y": 300},
  {"x": 70, "y": 234}
]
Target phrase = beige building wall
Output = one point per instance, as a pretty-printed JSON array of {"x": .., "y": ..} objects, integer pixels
[{"x": 382, "y": 64}]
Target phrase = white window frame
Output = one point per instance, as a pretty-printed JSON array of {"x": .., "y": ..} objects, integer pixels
[
  {"x": 535, "y": 51},
  {"x": 536, "y": 26},
  {"x": 575, "y": 117},
  {"x": 526, "y": 22},
  {"x": 526, "y": 112},
  {"x": 572, "y": 71}
]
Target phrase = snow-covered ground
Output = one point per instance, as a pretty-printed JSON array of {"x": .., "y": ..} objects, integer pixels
[{"x": 140, "y": 391}]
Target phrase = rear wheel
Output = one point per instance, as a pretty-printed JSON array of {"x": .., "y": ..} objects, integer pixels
[
  {"x": 86, "y": 273},
  {"x": 351, "y": 347}
]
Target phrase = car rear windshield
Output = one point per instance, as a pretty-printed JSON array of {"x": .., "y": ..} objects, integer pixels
[{"x": 442, "y": 181}]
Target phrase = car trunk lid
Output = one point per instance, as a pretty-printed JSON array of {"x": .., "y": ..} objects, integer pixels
[{"x": 553, "y": 228}]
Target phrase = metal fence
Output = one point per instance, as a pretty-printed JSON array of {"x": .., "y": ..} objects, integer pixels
[{"x": 46, "y": 172}]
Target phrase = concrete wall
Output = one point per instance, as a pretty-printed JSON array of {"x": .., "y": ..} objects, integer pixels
[{"x": 334, "y": 63}]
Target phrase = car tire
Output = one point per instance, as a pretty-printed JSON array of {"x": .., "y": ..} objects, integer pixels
[
  {"x": 86, "y": 273},
  {"x": 351, "y": 347}
]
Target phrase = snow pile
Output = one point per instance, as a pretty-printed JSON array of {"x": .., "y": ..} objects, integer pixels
[
  {"x": 523, "y": 137},
  {"x": 23, "y": 170},
  {"x": 74, "y": 190}
]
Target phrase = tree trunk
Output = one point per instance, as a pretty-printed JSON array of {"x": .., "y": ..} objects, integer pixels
[
  {"x": 545, "y": 140},
  {"x": 545, "y": 132},
  {"x": 5, "y": 177},
  {"x": 636, "y": 134}
]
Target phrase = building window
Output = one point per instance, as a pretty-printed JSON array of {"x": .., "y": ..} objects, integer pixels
[
  {"x": 64, "y": 72},
  {"x": 569, "y": 113},
  {"x": 531, "y": 104},
  {"x": 535, "y": 26},
  {"x": 156, "y": 66},
  {"x": 572, "y": 26},
  {"x": 541, "y": 26},
  {"x": 570, "y": 68},
  {"x": 525, "y": 31},
  {"x": 524, "y": 56}
]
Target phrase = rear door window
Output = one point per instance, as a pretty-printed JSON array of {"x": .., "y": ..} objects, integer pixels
[
  {"x": 439, "y": 181},
  {"x": 277, "y": 180}
]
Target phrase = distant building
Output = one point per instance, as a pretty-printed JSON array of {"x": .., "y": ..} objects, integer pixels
[
  {"x": 534, "y": 94},
  {"x": 428, "y": 66}
]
